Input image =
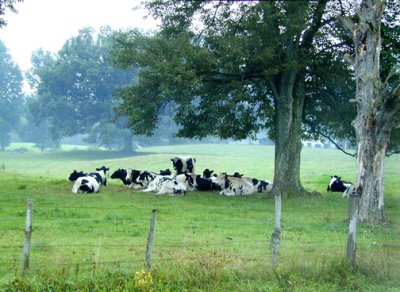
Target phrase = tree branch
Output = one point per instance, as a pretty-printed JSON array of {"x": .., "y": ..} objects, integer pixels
[
  {"x": 334, "y": 143},
  {"x": 316, "y": 23},
  {"x": 347, "y": 24}
]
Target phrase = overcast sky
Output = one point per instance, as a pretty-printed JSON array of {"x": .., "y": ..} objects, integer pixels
[{"x": 48, "y": 24}]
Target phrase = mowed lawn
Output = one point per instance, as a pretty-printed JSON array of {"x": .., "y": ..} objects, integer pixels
[{"x": 201, "y": 231}]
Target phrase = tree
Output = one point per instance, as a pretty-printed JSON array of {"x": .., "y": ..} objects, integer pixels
[
  {"x": 75, "y": 87},
  {"x": 11, "y": 97},
  {"x": 4, "y": 5},
  {"x": 232, "y": 69},
  {"x": 378, "y": 107}
]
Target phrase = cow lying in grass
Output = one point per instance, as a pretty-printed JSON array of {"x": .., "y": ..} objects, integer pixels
[
  {"x": 171, "y": 185},
  {"x": 184, "y": 164},
  {"x": 337, "y": 185},
  {"x": 139, "y": 179},
  {"x": 237, "y": 184},
  {"x": 91, "y": 183},
  {"x": 121, "y": 174}
]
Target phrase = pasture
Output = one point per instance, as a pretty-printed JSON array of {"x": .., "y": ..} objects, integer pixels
[{"x": 202, "y": 241}]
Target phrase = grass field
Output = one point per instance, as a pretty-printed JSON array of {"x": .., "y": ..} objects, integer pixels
[{"x": 203, "y": 241}]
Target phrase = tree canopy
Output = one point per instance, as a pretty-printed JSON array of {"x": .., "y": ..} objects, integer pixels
[
  {"x": 11, "y": 98},
  {"x": 231, "y": 69},
  {"x": 7, "y": 5},
  {"x": 75, "y": 88}
]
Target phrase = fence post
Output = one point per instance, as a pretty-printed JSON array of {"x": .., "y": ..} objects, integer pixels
[
  {"x": 275, "y": 237},
  {"x": 354, "y": 199},
  {"x": 26, "y": 250},
  {"x": 150, "y": 238}
]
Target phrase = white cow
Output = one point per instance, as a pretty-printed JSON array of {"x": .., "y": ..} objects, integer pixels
[
  {"x": 86, "y": 184},
  {"x": 234, "y": 186},
  {"x": 171, "y": 185}
]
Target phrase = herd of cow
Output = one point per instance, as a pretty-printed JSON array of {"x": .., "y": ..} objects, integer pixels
[{"x": 183, "y": 180}]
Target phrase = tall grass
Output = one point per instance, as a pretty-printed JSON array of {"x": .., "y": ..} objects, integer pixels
[{"x": 203, "y": 241}]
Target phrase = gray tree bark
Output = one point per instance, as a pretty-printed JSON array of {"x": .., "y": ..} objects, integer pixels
[{"x": 376, "y": 107}]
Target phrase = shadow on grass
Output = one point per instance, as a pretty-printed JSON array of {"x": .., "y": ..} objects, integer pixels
[{"x": 94, "y": 154}]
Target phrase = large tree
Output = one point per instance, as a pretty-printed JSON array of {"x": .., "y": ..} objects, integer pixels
[
  {"x": 11, "y": 97},
  {"x": 231, "y": 68},
  {"x": 378, "y": 107},
  {"x": 75, "y": 88}
]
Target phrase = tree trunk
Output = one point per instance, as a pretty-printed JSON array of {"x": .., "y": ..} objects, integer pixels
[
  {"x": 127, "y": 147},
  {"x": 373, "y": 123},
  {"x": 288, "y": 144}
]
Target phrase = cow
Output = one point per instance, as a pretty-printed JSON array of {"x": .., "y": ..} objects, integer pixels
[
  {"x": 86, "y": 184},
  {"x": 184, "y": 164},
  {"x": 166, "y": 184},
  {"x": 259, "y": 185},
  {"x": 121, "y": 174},
  {"x": 205, "y": 184},
  {"x": 75, "y": 175},
  {"x": 139, "y": 179},
  {"x": 337, "y": 185},
  {"x": 91, "y": 182},
  {"x": 234, "y": 186}
]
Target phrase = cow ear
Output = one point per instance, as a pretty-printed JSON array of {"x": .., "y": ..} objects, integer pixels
[{"x": 211, "y": 171}]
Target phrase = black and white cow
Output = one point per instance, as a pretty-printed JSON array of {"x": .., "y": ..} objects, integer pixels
[
  {"x": 258, "y": 184},
  {"x": 86, "y": 184},
  {"x": 171, "y": 185},
  {"x": 139, "y": 179},
  {"x": 91, "y": 183},
  {"x": 121, "y": 174},
  {"x": 162, "y": 185},
  {"x": 75, "y": 175},
  {"x": 234, "y": 186},
  {"x": 184, "y": 164},
  {"x": 205, "y": 184},
  {"x": 337, "y": 185}
]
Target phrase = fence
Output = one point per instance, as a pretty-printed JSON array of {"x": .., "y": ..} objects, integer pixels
[{"x": 107, "y": 238}]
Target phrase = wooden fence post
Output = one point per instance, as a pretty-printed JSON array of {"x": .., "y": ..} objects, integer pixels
[
  {"x": 150, "y": 238},
  {"x": 354, "y": 200},
  {"x": 275, "y": 237},
  {"x": 26, "y": 250}
]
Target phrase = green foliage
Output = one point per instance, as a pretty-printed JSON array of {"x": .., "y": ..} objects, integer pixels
[
  {"x": 75, "y": 88},
  {"x": 7, "y": 5},
  {"x": 11, "y": 98}
]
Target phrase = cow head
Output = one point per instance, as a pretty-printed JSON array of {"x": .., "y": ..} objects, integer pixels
[
  {"x": 103, "y": 168},
  {"x": 178, "y": 164},
  {"x": 75, "y": 175},
  {"x": 121, "y": 174},
  {"x": 207, "y": 173},
  {"x": 165, "y": 172}
]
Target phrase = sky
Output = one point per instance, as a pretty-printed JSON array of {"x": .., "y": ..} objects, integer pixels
[{"x": 47, "y": 24}]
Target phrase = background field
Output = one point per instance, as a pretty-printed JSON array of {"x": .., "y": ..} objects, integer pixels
[{"x": 203, "y": 241}]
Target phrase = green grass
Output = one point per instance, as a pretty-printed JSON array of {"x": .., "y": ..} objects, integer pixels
[{"x": 203, "y": 241}]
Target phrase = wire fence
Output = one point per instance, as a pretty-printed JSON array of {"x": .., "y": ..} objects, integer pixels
[{"x": 96, "y": 239}]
